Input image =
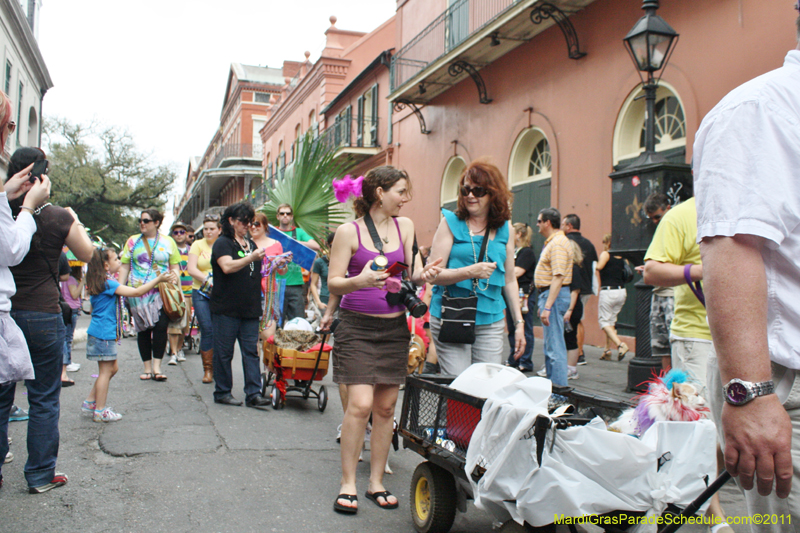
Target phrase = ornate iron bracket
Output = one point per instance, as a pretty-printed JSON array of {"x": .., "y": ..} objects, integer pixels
[
  {"x": 399, "y": 105},
  {"x": 462, "y": 66},
  {"x": 546, "y": 11}
]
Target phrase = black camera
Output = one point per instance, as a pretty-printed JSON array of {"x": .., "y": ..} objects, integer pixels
[{"x": 407, "y": 295}]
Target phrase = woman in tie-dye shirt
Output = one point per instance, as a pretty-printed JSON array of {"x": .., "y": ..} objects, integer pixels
[{"x": 144, "y": 256}]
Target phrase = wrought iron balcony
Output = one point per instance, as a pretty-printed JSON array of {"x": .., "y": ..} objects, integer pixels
[
  {"x": 469, "y": 35},
  {"x": 355, "y": 136},
  {"x": 238, "y": 151}
]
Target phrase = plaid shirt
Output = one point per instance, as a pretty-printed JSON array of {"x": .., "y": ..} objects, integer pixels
[{"x": 556, "y": 258}]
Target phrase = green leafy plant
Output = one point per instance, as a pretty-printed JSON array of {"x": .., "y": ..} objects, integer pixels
[{"x": 306, "y": 186}]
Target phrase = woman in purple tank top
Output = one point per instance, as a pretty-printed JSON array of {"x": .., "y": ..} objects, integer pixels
[{"x": 372, "y": 338}]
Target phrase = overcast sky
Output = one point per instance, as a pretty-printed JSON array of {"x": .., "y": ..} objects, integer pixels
[{"x": 159, "y": 67}]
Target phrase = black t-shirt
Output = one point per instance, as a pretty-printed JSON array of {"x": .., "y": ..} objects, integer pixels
[
  {"x": 525, "y": 258},
  {"x": 36, "y": 288},
  {"x": 589, "y": 257},
  {"x": 239, "y": 294},
  {"x": 613, "y": 274}
]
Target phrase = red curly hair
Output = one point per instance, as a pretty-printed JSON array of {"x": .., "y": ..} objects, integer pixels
[{"x": 484, "y": 174}]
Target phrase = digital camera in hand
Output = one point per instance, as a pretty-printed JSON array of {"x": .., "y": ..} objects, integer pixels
[{"x": 407, "y": 295}]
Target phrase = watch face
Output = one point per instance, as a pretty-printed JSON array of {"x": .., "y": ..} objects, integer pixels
[{"x": 737, "y": 393}]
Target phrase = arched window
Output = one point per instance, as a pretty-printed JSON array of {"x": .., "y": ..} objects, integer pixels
[
  {"x": 530, "y": 173},
  {"x": 540, "y": 165},
  {"x": 670, "y": 122},
  {"x": 452, "y": 174}
]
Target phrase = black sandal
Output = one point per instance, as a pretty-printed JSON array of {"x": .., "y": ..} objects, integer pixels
[
  {"x": 382, "y": 494},
  {"x": 339, "y": 508}
]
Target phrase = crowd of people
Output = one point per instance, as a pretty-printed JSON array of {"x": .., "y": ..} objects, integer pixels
[{"x": 741, "y": 353}]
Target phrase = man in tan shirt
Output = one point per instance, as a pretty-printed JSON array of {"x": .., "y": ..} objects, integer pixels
[{"x": 552, "y": 279}]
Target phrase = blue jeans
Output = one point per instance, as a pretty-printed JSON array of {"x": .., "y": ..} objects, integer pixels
[
  {"x": 202, "y": 310},
  {"x": 227, "y": 330},
  {"x": 555, "y": 348},
  {"x": 69, "y": 332},
  {"x": 525, "y": 360},
  {"x": 44, "y": 333}
]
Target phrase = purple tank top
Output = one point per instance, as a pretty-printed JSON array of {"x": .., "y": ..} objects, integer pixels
[{"x": 371, "y": 300}]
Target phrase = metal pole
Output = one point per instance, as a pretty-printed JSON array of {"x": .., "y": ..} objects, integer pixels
[{"x": 650, "y": 116}]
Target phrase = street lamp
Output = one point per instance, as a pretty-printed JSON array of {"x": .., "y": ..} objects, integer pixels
[{"x": 650, "y": 44}]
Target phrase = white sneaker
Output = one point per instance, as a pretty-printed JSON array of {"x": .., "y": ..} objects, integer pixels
[
  {"x": 173, "y": 360},
  {"x": 572, "y": 375},
  {"x": 106, "y": 415},
  {"x": 181, "y": 356},
  {"x": 73, "y": 367},
  {"x": 542, "y": 373},
  {"x": 339, "y": 433},
  {"x": 9, "y": 458}
]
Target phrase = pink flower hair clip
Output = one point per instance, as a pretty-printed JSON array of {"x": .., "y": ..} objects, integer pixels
[{"x": 346, "y": 187}]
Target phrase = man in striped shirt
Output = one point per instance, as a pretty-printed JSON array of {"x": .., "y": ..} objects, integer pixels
[{"x": 552, "y": 279}]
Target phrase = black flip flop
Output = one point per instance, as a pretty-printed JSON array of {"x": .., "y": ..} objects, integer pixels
[
  {"x": 67, "y": 383},
  {"x": 339, "y": 508},
  {"x": 382, "y": 494}
]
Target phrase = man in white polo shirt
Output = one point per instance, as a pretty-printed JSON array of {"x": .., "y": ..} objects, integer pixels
[{"x": 746, "y": 165}]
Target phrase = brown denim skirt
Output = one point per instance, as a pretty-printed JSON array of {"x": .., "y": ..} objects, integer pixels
[{"x": 370, "y": 350}]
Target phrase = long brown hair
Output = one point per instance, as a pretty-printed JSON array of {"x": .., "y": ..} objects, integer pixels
[
  {"x": 96, "y": 274},
  {"x": 484, "y": 174},
  {"x": 384, "y": 177}
]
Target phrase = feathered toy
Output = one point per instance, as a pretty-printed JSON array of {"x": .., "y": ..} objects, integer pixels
[
  {"x": 669, "y": 397},
  {"x": 346, "y": 187}
]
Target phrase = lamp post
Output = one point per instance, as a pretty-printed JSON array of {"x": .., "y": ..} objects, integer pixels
[{"x": 650, "y": 44}]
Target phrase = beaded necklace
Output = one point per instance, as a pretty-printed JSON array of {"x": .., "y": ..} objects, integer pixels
[{"x": 477, "y": 282}]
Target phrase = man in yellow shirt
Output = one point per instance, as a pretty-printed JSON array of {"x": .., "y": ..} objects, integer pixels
[
  {"x": 672, "y": 257},
  {"x": 552, "y": 278},
  {"x": 674, "y": 248}
]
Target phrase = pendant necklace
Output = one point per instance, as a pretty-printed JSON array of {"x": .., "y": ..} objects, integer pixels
[{"x": 386, "y": 239}]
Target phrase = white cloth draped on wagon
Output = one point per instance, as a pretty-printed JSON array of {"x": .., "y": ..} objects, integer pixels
[{"x": 584, "y": 470}]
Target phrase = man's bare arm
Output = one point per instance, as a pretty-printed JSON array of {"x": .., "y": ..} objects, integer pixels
[{"x": 758, "y": 434}]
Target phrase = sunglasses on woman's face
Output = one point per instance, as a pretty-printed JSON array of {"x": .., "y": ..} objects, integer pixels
[
  {"x": 255, "y": 224},
  {"x": 12, "y": 126},
  {"x": 245, "y": 221},
  {"x": 477, "y": 192},
  {"x": 145, "y": 220}
]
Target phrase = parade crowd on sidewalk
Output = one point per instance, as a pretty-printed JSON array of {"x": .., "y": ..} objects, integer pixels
[{"x": 725, "y": 308}]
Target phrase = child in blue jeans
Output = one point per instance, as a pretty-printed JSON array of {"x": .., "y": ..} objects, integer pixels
[{"x": 105, "y": 328}]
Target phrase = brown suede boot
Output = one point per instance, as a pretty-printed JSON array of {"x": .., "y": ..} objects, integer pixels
[{"x": 208, "y": 365}]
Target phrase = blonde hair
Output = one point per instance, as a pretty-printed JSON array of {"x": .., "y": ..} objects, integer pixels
[
  {"x": 525, "y": 232},
  {"x": 577, "y": 253}
]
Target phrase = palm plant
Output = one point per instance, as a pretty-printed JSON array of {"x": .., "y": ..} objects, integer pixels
[{"x": 306, "y": 186}]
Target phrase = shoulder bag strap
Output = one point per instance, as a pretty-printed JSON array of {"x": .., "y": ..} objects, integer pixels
[
  {"x": 150, "y": 252},
  {"x": 373, "y": 232},
  {"x": 54, "y": 273}
]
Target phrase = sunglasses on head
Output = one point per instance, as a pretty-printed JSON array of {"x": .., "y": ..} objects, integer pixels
[
  {"x": 179, "y": 232},
  {"x": 145, "y": 220},
  {"x": 284, "y": 214},
  {"x": 211, "y": 218},
  {"x": 477, "y": 192}
]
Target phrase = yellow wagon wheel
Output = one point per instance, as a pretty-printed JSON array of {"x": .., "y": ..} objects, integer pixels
[{"x": 433, "y": 499}]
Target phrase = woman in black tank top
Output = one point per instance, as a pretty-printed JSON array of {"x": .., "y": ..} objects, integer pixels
[{"x": 611, "y": 270}]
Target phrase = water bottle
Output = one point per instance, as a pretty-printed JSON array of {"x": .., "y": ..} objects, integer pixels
[{"x": 524, "y": 301}]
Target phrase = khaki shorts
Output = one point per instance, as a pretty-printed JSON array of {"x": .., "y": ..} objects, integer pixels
[{"x": 179, "y": 326}]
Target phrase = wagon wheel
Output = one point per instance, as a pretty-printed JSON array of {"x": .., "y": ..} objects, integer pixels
[
  {"x": 322, "y": 398},
  {"x": 433, "y": 499},
  {"x": 275, "y": 397}
]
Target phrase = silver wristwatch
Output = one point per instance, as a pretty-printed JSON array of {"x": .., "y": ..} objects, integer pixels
[{"x": 739, "y": 392}]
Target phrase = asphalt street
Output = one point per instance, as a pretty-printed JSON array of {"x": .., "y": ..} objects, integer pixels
[{"x": 179, "y": 462}]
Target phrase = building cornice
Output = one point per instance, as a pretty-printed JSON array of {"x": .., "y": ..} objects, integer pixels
[
  {"x": 28, "y": 45},
  {"x": 325, "y": 67}
]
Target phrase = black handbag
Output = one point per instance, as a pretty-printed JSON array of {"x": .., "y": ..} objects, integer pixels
[
  {"x": 66, "y": 310},
  {"x": 458, "y": 314}
]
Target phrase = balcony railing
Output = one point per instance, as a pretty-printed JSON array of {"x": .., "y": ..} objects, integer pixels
[
  {"x": 462, "y": 19},
  {"x": 234, "y": 150},
  {"x": 351, "y": 132}
]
